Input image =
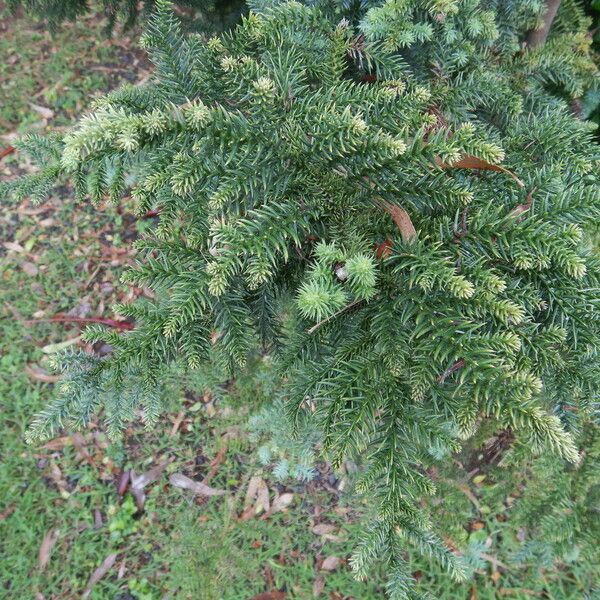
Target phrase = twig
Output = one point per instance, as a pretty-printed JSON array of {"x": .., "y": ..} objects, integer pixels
[
  {"x": 83, "y": 320},
  {"x": 333, "y": 316},
  {"x": 6, "y": 151},
  {"x": 91, "y": 277},
  {"x": 537, "y": 37},
  {"x": 177, "y": 423},
  {"x": 459, "y": 364},
  {"x": 493, "y": 560},
  {"x": 458, "y": 233},
  {"x": 215, "y": 463}
]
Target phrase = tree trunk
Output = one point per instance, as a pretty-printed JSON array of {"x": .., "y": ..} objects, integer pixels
[{"x": 537, "y": 37}]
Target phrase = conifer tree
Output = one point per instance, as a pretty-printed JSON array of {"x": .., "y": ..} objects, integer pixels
[{"x": 394, "y": 199}]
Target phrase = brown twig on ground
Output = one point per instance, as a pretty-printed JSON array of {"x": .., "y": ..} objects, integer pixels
[
  {"x": 124, "y": 325},
  {"x": 6, "y": 151},
  {"x": 215, "y": 463}
]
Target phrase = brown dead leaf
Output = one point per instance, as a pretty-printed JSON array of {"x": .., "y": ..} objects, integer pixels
[
  {"x": 58, "y": 443},
  {"x": 270, "y": 596},
  {"x": 280, "y": 503},
  {"x": 477, "y": 525},
  {"x": 323, "y": 529},
  {"x": 123, "y": 482},
  {"x": 57, "y": 477},
  {"x": 474, "y": 163},
  {"x": 9, "y": 510},
  {"x": 98, "y": 520},
  {"x": 14, "y": 247},
  {"x": 29, "y": 268},
  {"x": 402, "y": 220},
  {"x": 318, "y": 586},
  {"x": 81, "y": 446},
  {"x": 43, "y": 111},
  {"x": 139, "y": 482},
  {"x": 331, "y": 563},
  {"x": 181, "y": 481},
  {"x": 177, "y": 423},
  {"x": 257, "y": 494},
  {"x": 122, "y": 570},
  {"x": 46, "y": 548},
  {"x": 215, "y": 463},
  {"x": 99, "y": 573},
  {"x": 38, "y": 374}
]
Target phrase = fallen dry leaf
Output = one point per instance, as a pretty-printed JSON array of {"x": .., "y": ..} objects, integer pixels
[
  {"x": 58, "y": 443},
  {"x": 177, "y": 423},
  {"x": 402, "y": 220},
  {"x": 181, "y": 481},
  {"x": 318, "y": 586},
  {"x": 43, "y": 111},
  {"x": 81, "y": 446},
  {"x": 123, "y": 482},
  {"x": 29, "y": 268},
  {"x": 46, "y": 548},
  {"x": 14, "y": 246},
  {"x": 477, "y": 525},
  {"x": 474, "y": 163},
  {"x": 99, "y": 573},
  {"x": 122, "y": 570},
  {"x": 38, "y": 374},
  {"x": 57, "y": 477},
  {"x": 257, "y": 494},
  {"x": 280, "y": 503},
  {"x": 323, "y": 528},
  {"x": 9, "y": 510},
  {"x": 331, "y": 563},
  {"x": 215, "y": 463},
  {"x": 139, "y": 482},
  {"x": 98, "y": 520},
  {"x": 58, "y": 347},
  {"x": 270, "y": 596}
]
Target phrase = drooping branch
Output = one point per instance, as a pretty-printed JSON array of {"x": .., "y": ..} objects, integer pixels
[{"x": 537, "y": 37}]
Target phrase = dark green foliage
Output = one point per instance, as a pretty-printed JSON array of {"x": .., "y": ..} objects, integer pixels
[
  {"x": 395, "y": 204},
  {"x": 209, "y": 15}
]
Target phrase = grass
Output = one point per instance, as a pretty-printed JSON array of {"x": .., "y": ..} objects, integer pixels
[
  {"x": 66, "y": 258},
  {"x": 45, "y": 77}
]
